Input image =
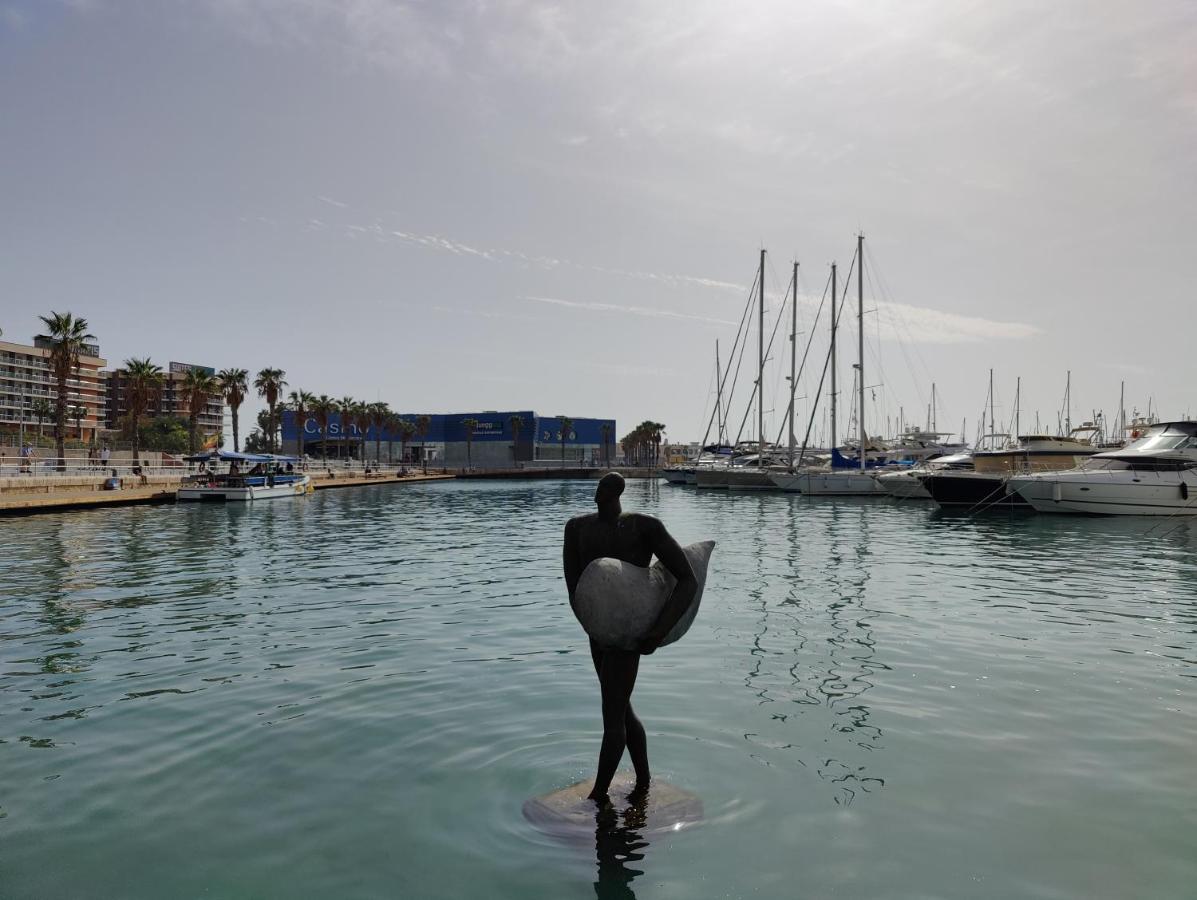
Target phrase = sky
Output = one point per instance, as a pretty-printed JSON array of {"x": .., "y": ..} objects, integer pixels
[{"x": 503, "y": 204}]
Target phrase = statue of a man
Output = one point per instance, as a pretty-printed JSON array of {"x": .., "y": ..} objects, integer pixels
[{"x": 633, "y": 538}]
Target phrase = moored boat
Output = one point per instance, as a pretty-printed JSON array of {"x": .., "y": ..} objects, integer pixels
[
  {"x": 1155, "y": 475},
  {"x": 265, "y": 476}
]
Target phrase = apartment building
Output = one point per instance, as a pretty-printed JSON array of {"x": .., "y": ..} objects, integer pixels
[
  {"x": 26, "y": 377},
  {"x": 170, "y": 402}
]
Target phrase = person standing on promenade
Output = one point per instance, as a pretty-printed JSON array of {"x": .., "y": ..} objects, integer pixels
[{"x": 633, "y": 538}]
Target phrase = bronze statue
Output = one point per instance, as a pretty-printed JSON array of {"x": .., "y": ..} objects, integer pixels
[{"x": 633, "y": 538}]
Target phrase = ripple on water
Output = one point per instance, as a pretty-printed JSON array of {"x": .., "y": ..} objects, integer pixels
[{"x": 356, "y": 693}]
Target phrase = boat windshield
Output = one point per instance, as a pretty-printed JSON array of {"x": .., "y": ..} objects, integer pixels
[{"x": 1164, "y": 437}]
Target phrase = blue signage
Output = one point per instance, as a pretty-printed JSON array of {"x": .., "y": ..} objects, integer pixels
[{"x": 450, "y": 428}]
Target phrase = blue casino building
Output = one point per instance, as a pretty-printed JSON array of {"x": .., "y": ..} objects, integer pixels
[{"x": 496, "y": 441}]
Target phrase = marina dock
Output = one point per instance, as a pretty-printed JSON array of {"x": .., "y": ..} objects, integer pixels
[{"x": 27, "y": 496}]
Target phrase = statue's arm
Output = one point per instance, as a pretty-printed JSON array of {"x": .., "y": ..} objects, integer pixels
[
  {"x": 673, "y": 557},
  {"x": 571, "y": 556}
]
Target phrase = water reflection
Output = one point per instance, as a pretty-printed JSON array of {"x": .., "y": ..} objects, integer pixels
[
  {"x": 618, "y": 842},
  {"x": 814, "y": 643}
]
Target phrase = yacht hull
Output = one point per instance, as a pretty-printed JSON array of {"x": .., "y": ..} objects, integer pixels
[
  {"x": 903, "y": 486},
  {"x": 1110, "y": 494},
  {"x": 972, "y": 490},
  {"x": 750, "y": 479},
  {"x": 833, "y": 483},
  {"x": 711, "y": 478}
]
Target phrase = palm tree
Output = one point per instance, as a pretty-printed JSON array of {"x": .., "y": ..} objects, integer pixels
[
  {"x": 269, "y": 384},
  {"x": 345, "y": 411},
  {"x": 78, "y": 413},
  {"x": 42, "y": 410},
  {"x": 406, "y": 431},
  {"x": 197, "y": 388},
  {"x": 379, "y": 414},
  {"x": 143, "y": 384},
  {"x": 517, "y": 423},
  {"x": 566, "y": 423},
  {"x": 300, "y": 403},
  {"x": 362, "y": 417},
  {"x": 69, "y": 337},
  {"x": 322, "y": 408},
  {"x": 605, "y": 428},
  {"x": 422, "y": 425},
  {"x": 234, "y": 385},
  {"x": 469, "y": 425}
]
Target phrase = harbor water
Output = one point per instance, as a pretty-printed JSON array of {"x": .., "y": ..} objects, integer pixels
[{"x": 352, "y": 694}]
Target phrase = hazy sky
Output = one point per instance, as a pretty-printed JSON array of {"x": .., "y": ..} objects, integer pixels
[{"x": 464, "y": 206}]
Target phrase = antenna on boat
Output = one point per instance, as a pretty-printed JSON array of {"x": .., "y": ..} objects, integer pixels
[{"x": 1068, "y": 404}]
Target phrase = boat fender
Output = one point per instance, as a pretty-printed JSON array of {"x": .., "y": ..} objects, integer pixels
[{"x": 1184, "y": 491}]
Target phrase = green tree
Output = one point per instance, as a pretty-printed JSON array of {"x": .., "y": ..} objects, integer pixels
[
  {"x": 69, "y": 337},
  {"x": 379, "y": 414},
  {"x": 143, "y": 385},
  {"x": 566, "y": 424},
  {"x": 362, "y": 417},
  {"x": 517, "y": 423},
  {"x": 406, "y": 431},
  {"x": 42, "y": 410},
  {"x": 195, "y": 390},
  {"x": 322, "y": 408},
  {"x": 79, "y": 413},
  {"x": 300, "y": 403},
  {"x": 346, "y": 410},
  {"x": 469, "y": 425},
  {"x": 269, "y": 384},
  {"x": 167, "y": 434},
  {"x": 422, "y": 425},
  {"x": 234, "y": 385}
]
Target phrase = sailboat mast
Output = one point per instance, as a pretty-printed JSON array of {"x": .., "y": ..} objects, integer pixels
[
  {"x": 760, "y": 382},
  {"x": 793, "y": 358},
  {"x": 864, "y": 435},
  {"x": 1122, "y": 412},
  {"x": 719, "y": 438},
  {"x": 934, "y": 426},
  {"x": 1017, "y": 411},
  {"x": 992, "y": 420},
  {"x": 834, "y": 431},
  {"x": 1068, "y": 404}
]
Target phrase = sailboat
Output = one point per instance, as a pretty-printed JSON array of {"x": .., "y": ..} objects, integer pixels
[{"x": 845, "y": 476}]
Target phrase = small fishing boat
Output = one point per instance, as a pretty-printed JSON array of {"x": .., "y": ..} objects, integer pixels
[{"x": 227, "y": 476}]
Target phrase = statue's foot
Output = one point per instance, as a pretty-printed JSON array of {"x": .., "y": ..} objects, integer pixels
[{"x": 599, "y": 797}]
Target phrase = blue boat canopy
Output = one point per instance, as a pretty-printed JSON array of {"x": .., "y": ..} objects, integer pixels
[{"x": 230, "y": 455}]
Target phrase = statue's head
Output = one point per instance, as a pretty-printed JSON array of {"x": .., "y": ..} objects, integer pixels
[{"x": 609, "y": 488}]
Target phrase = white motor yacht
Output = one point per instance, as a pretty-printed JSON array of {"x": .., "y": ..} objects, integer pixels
[{"x": 1155, "y": 475}]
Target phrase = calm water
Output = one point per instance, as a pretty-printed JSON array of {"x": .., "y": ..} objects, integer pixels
[{"x": 351, "y": 695}]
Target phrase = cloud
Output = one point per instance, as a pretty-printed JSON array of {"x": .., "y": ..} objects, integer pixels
[
  {"x": 331, "y": 202},
  {"x": 921, "y": 325},
  {"x": 628, "y": 310}
]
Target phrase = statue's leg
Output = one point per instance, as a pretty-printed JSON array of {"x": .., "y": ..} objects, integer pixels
[
  {"x": 635, "y": 736},
  {"x": 617, "y": 678}
]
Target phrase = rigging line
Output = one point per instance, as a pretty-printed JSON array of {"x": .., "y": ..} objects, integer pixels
[
  {"x": 826, "y": 364},
  {"x": 883, "y": 287},
  {"x": 758, "y": 386},
  {"x": 740, "y": 331},
  {"x": 806, "y": 352}
]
